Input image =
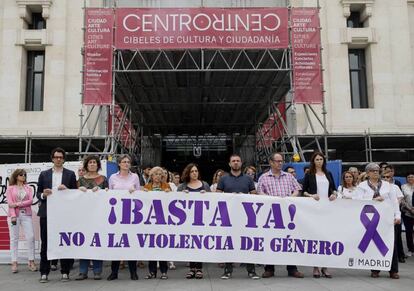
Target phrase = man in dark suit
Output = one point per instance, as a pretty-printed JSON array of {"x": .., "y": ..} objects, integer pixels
[
  {"x": 56, "y": 178},
  {"x": 389, "y": 172}
]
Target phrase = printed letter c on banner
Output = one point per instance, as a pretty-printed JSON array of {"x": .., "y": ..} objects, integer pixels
[{"x": 371, "y": 232}]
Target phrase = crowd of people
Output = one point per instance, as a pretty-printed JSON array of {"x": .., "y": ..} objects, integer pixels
[{"x": 375, "y": 183}]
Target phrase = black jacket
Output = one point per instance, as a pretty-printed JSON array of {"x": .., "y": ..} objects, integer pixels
[
  {"x": 310, "y": 186},
  {"x": 183, "y": 186},
  {"x": 45, "y": 182}
]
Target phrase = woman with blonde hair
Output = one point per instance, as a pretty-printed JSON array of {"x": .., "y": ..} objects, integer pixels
[
  {"x": 19, "y": 199},
  {"x": 156, "y": 184}
]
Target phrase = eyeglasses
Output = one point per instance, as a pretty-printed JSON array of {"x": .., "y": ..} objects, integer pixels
[
  {"x": 125, "y": 162},
  {"x": 22, "y": 175}
]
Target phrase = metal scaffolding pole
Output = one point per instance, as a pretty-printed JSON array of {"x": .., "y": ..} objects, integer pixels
[{"x": 324, "y": 111}]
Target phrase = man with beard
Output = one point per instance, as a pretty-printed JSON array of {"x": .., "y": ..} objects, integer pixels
[{"x": 236, "y": 182}]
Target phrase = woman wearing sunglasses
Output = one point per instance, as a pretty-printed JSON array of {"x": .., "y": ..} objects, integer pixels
[{"x": 19, "y": 198}]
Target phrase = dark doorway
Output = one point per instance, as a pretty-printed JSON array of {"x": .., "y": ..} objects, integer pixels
[{"x": 209, "y": 152}]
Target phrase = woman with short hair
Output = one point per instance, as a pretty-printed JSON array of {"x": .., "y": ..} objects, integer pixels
[
  {"x": 19, "y": 199},
  {"x": 124, "y": 179},
  {"x": 378, "y": 190}
]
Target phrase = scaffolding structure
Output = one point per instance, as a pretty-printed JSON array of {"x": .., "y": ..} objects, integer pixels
[
  {"x": 103, "y": 132},
  {"x": 164, "y": 61}
]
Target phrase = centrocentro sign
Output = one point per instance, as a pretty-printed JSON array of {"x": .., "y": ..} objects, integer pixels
[{"x": 186, "y": 28}]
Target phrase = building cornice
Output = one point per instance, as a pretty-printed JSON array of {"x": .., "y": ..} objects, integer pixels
[
  {"x": 367, "y": 11},
  {"x": 25, "y": 6}
]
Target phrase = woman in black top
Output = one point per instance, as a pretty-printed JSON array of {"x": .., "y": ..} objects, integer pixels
[
  {"x": 192, "y": 183},
  {"x": 319, "y": 184}
]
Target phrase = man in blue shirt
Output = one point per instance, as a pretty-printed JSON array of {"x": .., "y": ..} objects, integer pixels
[{"x": 237, "y": 182}]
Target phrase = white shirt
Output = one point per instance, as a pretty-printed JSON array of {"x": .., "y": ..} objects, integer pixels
[
  {"x": 346, "y": 192},
  {"x": 364, "y": 192},
  {"x": 397, "y": 191},
  {"x": 322, "y": 186},
  {"x": 172, "y": 186},
  {"x": 56, "y": 178},
  {"x": 408, "y": 190}
]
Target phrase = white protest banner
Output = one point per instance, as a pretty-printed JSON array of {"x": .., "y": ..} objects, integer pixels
[{"x": 212, "y": 227}]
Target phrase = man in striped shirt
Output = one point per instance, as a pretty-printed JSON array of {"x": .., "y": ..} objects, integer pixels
[{"x": 276, "y": 182}]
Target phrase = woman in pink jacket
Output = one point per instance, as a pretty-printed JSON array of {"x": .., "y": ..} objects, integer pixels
[{"x": 20, "y": 198}]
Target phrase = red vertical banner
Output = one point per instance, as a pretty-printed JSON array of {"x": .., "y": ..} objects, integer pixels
[
  {"x": 97, "y": 76},
  {"x": 272, "y": 129},
  {"x": 306, "y": 55},
  {"x": 127, "y": 132}
]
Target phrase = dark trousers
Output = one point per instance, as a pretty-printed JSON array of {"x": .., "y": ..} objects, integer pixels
[
  {"x": 409, "y": 223},
  {"x": 229, "y": 268},
  {"x": 196, "y": 265},
  {"x": 152, "y": 267},
  {"x": 399, "y": 243},
  {"x": 394, "y": 262},
  {"x": 290, "y": 268},
  {"x": 65, "y": 264},
  {"x": 132, "y": 265}
]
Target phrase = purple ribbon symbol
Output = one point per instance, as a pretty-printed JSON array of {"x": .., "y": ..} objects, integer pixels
[{"x": 371, "y": 230}]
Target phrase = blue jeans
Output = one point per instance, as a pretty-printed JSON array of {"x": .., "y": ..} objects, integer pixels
[{"x": 84, "y": 265}]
